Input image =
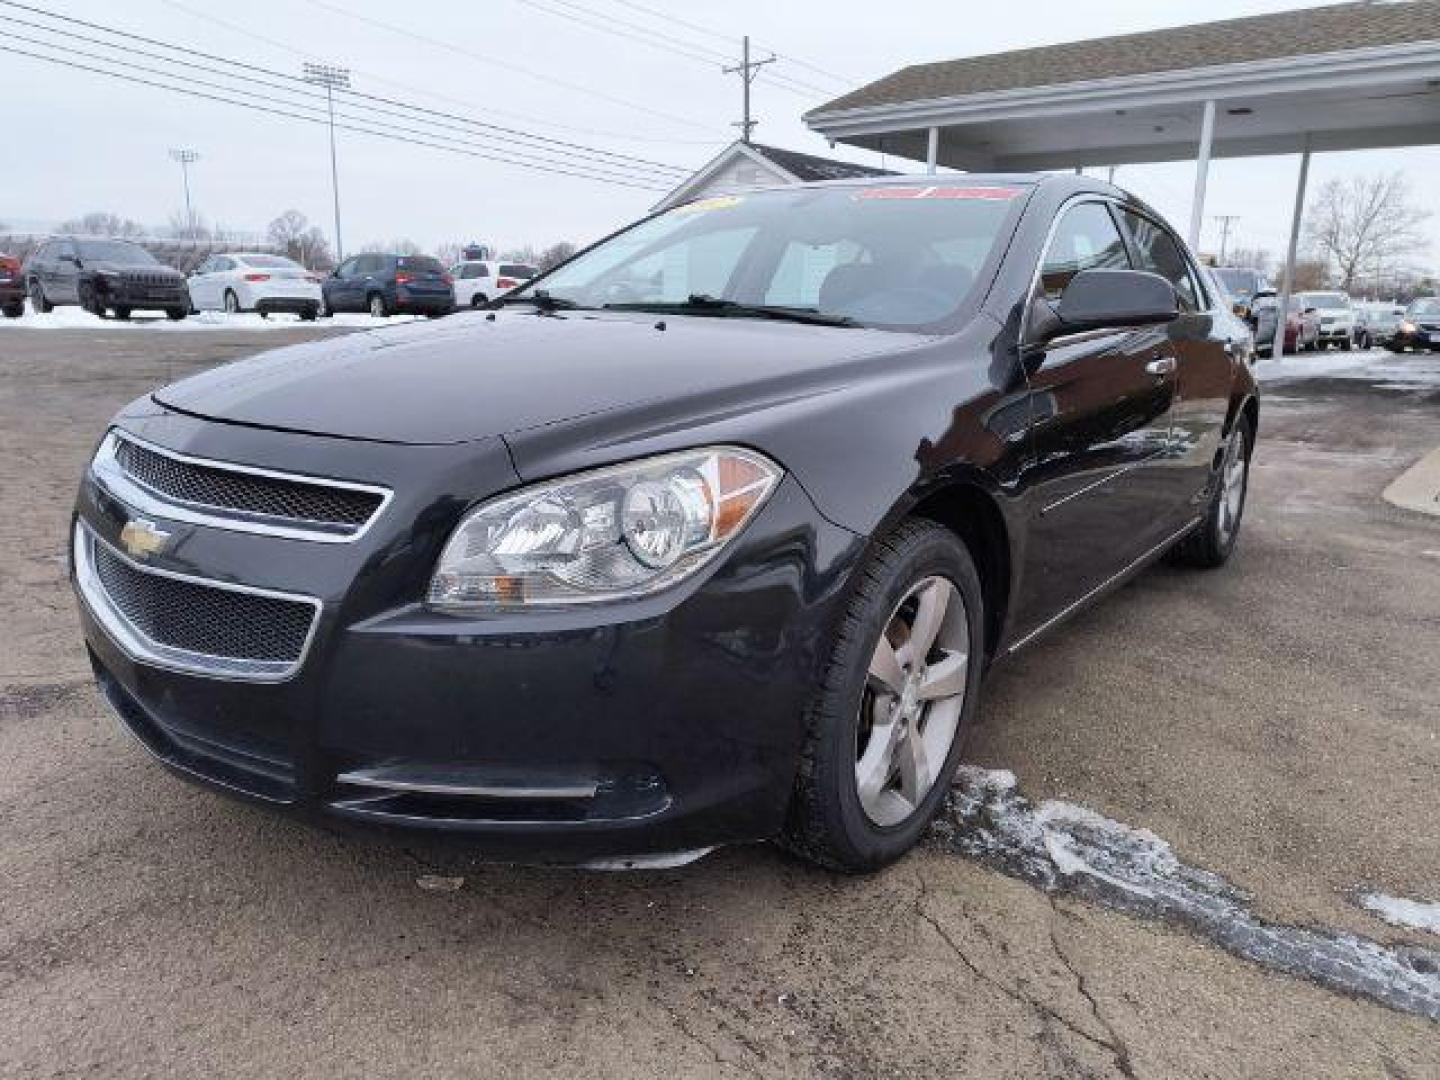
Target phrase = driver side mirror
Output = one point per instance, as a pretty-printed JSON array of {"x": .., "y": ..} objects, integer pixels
[{"x": 1106, "y": 299}]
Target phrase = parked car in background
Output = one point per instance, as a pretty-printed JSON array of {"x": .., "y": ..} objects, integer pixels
[
  {"x": 1302, "y": 325},
  {"x": 390, "y": 285},
  {"x": 707, "y": 537},
  {"x": 1419, "y": 328},
  {"x": 1337, "y": 317},
  {"x": 103, "y": 276},
  {"x": 1375, "y": 322},
  {"x": 244, "y": 281},
  {"x": 478, "y": 281},
  {"x": 1243, "y": 284},
  {"x": 1237, "y": 330},
  {"x": 12, "y": 287}
]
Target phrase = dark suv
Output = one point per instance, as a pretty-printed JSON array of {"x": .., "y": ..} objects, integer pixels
[
  {"x": 1420, "y": 327},
  {"x": 390, "y": 284},
  {"x": 103, "y": 275}
]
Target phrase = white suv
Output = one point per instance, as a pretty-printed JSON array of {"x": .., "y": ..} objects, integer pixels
[{"x": 478, "y": 281}]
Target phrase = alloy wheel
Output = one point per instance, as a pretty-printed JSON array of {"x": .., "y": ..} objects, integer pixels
[
  {"x": 914, "y": 696},
  {"x": 377, "y": 306},
  {"x": 232, "y": 304},
  {"x": 1234, "y": 475}
]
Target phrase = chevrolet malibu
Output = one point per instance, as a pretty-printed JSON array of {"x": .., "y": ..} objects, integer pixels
[{"x": 707, "y": 536}]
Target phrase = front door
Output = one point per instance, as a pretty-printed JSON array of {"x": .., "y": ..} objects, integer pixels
[{"x": 1101, "y": 413}]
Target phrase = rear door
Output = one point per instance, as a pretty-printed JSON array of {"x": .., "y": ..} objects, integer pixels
[{"x": 1101, "y": 405}]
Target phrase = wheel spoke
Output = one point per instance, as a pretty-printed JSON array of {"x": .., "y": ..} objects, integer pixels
[
  {"x": 874, "y": 769},
  {"x": 914, "y": 763},
  {"x": 945, "y": 678},
  {"x": 885, "y": 667},
  {"x": 929, "y": 615}
]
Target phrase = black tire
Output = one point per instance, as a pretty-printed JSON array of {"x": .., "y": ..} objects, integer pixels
[
  {"x": 38, "y": 302},
  {"x": 1210, "y": 545},
  {"x": 14, "y": 311},
  {"x": 479, "y": 300},
  {"x": 309, "y": 314},
  {"x": 826, "y": 822},
  {"x": 230, "y": 302},
  {"x": 122, "y": 313},
  {"x": 378, "y": 306},
  {"x": 175, "y": 314},
  {"x": 90, "y": 301},
  {"x": 1397, "y": 349}
]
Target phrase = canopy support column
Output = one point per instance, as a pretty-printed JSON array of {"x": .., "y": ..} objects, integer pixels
[
  {"x": 1202, "y": 173},
  {"x": 1287, "y": 277},
  {"x": 932, "y": 150}
]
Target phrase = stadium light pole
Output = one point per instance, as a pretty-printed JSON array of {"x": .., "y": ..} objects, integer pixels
[
  {"x": 186, "y": 158},
  {"x": 332, "y": 78}
]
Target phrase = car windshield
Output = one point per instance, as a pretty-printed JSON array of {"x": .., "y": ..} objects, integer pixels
[
  {"x": 116, "y": 251},
  {"x": 888, "y": 256},
  {"x": 1425, "y": 309},
  {"x": 270, "y": 262},
  {"x": 1328, "y": 301},
  {"x": 1237, "y": 282}
]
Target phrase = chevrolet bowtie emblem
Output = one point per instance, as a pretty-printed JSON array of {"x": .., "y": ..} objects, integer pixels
[{"x": 141, "y": 538}]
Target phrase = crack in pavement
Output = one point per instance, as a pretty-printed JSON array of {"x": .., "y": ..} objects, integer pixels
[
  {"x": 1117, "y": 1045},
  {"x": 1119, "y": 1052}
]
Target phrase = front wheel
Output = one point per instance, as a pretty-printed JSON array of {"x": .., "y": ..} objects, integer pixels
[
  {"x": 378, "y": 308},
  {"x": 886, "y": 726},
  {"x": 1211, "y": 543},
  {"x": 122, "y": 313},
  {"x": 38, "y": 302},
  {"x": 175, "y": 314},
  {"x": 232, "y": 303},
  {"x": 478, "y": 300},
  {"x": 15, "y": 311},
  {"x": 308, "y": 314}
]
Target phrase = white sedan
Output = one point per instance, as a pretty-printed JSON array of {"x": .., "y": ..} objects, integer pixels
[
  {"x": 478, "y": 281},
  {"x": 240, "y": 281}
]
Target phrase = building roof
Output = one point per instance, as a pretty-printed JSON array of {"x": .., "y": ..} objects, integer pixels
[
  {"x": 1305, "y": 32},
  {"x": 782, "y": 167},
  {"x": 808, "y": 167}
]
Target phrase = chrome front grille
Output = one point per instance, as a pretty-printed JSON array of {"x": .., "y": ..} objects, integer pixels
[
  {"x": 232, "y": 496},
  {"x": 193, "y": 624}
]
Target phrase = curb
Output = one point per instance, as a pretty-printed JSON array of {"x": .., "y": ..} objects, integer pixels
[{"x": 1418, "y": 487}]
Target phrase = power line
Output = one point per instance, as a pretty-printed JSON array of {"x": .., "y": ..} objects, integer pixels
[
  {"x": 588, "y": 91},
  {"x": 4, "y": 47},
  {"x": 517, "y": 156},
  {"x": 432, "y": 94},
  {"x": 514, "y": 133}
]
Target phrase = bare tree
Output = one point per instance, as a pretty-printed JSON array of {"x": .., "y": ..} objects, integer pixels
[
  {"x": 1251, "y": 259},
  {"x": 1363, "y": 222},
  {"x": 102, "y": 223},
  {"x": 524, "y": 254},
  {"x": 293, "y": 234},
  {"x": 190, "y": 226},
  {"x": 449, "y": 253},
  {"x": 555, "y": 254},
  {"x": 400, "y": 246}
]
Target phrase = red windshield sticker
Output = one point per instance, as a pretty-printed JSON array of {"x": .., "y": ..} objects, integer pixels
[{"x": 937, "y": 192}]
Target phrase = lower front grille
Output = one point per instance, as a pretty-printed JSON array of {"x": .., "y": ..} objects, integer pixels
[{"x": 190, "y": 624}]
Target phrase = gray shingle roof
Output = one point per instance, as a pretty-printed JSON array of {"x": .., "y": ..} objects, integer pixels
[
  {"x": 808, "y": 167},
  {"x": 1305, "y": 32}
]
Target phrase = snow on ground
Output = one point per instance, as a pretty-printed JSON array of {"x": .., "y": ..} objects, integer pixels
[
  {"x": 1395, "y": 371},
  {"x": 1061, "y": 847},
  {"x": 1411, "y": 914},
  {"x": 74, "y": 318}
]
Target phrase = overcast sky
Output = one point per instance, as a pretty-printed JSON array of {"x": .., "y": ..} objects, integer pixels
[{"x": 75, "y": 141}]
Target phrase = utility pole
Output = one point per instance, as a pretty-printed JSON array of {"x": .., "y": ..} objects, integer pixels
[
  {"x": 747, "y": 70},
  {"x": 332, "y": 78},
  {"x": 186, "y": 158},
  {"x": 1225, "y": 222}
]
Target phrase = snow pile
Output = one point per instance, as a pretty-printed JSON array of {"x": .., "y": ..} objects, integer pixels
[
  {"x": 1394, "y": 371},
  {"x": 1411, "y": 914},
  {"x": 74, "y": 318},
  {"x": 1062, "y": 847}
]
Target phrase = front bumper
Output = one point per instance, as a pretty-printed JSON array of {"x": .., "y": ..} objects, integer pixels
[
  {"x": 661, "y": 725},
  {"x": 1420, "y": 338},
  {"x": 130, "y": 294}
]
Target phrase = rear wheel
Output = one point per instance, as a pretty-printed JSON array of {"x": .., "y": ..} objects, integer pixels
[
  {"x": 122, "y": 313},
  {"x": 478, "y": 300},
  {"x": 14, "y": 311},
  {"x": 886, "y": 726},
  {"x": 379, "y": 309},
  {"x": 308, "y": 314},
  {"x": 37, "y": 298},
  {"x": 232, "y": 302},
  {"x": 1212, "y": 542},
  {"x": 175, "y": 314}
]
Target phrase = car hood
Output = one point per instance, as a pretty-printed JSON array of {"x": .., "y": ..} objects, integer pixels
[{"x": 474, "y": 376}]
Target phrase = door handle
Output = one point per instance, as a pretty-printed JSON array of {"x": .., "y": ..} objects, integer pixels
[{"x": 1161, "y": 365}]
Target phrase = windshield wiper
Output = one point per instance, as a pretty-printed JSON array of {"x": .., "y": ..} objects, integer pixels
[
  {"x": 705, "y": 304},
  {"x": 544, "y": 300}
]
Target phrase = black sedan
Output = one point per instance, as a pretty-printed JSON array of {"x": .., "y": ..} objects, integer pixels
[{"x": 707, "y": 536}]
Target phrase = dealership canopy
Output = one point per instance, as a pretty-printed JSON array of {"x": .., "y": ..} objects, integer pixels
[{"x": 1343, "y": 77}]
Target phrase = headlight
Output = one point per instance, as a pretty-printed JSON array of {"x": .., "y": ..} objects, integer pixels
[
  {"x": 1407, "y": 327},
  {"x": 613, "y": 533}
]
